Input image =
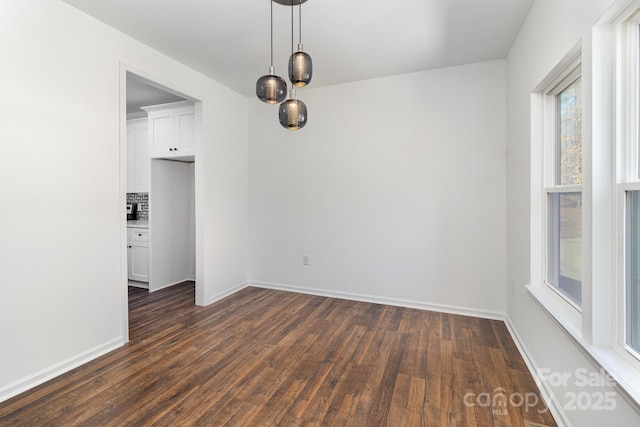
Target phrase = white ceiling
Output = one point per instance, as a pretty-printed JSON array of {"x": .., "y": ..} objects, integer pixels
[
  {"x": 348, "y": 40},
  {"x": 141, "y": 94}
]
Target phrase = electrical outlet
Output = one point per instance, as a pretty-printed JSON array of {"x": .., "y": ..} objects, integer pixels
[
  {"x": 513, "y": 286},
  {"x": 305, "y": 259}
]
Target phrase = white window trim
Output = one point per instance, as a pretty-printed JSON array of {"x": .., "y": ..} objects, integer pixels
[
  {"x": 542, "y": 131},
  {"x": 562, "y": 76}
]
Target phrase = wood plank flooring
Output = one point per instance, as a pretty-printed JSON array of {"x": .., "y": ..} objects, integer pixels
[{"x": 262, "y": 357}]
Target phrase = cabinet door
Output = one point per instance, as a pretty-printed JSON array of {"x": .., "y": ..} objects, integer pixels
[
  {"x": 185, "y": 132},
  {"x": 171, "y": 130},
  {"x": 142, "y": 158},
  {"x": 139, "y": 264},
  {"x": 161, "y": 133}
]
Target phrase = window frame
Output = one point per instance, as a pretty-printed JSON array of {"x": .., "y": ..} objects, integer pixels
[
  {"x": 627, "y": 162},
  {"x": 563, "y": 77}
]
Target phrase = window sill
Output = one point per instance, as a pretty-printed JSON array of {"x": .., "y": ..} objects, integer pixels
[
  {"x": 622, "y": 371},
  {"x": 568, "y": 318}
]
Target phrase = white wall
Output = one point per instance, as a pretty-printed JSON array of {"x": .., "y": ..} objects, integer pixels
[
  {"x": 169, "y": 223},
  {"x": 61, "y": 217},
  {"x": 551, "y": 30},
  {"x": 396, "y": 189}
]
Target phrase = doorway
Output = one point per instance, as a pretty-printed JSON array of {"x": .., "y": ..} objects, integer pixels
[{"x": 165, "y": 202}]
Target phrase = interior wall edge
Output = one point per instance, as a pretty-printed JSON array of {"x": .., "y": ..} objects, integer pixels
[{"x": 222, "y": 295}]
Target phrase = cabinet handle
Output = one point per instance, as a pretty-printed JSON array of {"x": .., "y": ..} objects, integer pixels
[
  {"x": 175, "y": 149},
  {"x": 129, "y": 246},
  {"x": 170, "y": 149},
  {"x": 139, "y": 235}
]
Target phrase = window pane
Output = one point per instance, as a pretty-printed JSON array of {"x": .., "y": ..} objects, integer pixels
[
  {"x": 569, "y": 137},
  {"x": 632, "y": 286},
  {"x": 564, "y": 270}
]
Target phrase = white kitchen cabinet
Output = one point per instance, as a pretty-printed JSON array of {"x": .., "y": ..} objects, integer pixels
[
  {"x": 138, "y": 156},
  {"x": 138, "y": 254},
  {"x": 171, "y": 130}
]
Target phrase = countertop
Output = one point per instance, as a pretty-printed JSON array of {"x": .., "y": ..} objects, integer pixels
[{"x": 138, "y": 223}]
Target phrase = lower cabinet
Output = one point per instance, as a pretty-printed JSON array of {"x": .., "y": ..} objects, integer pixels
[{"x": 138, "y": 254}]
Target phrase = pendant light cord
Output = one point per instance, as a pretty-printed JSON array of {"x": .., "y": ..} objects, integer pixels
[
  {"x": 271, "y": 1},
  {"x": 300, "y": 21},
  {"x": 291, "y": 27}
]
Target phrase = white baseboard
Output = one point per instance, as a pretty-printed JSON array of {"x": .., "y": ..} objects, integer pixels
[
  {"x": 169, "y": 285},
  {"x": 552, "y": 403},
  {"x": 44, "y": 375},
  {"x": 442, "y": 308},
  {"x": 226, "y": 293}
]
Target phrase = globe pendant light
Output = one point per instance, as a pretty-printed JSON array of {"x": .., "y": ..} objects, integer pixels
[
  {"x": 300, "y": 64},
  {"x": 271, "y": 88},
  {"x": 293, "y": 113}
]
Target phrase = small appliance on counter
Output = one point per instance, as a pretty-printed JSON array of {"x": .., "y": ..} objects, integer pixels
[{"x": 132, "y": 211}]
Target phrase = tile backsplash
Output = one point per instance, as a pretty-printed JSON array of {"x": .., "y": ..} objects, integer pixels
[{"x": 143, "y": 200}]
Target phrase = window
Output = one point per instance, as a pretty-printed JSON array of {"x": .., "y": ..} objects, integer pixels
[
  {"x": 563, "y": 185},
  {"x": 629, "y": 186}
]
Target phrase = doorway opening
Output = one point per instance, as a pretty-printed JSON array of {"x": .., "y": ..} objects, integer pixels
[{"x": 160, "y": 186}]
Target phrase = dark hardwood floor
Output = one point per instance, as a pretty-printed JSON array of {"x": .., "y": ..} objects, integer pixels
[{"x": 262, "y": 357}]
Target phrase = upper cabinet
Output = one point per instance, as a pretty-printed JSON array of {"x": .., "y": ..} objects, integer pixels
[
  {"x": 171, "y": 130},
  {"x": 137, "y": 156}
]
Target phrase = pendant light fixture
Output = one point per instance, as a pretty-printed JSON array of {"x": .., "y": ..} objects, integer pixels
[
  {"x": 300, "y": 64},
  {"x": 293, "y": 112},
  {"x": 271, "y": 88}
]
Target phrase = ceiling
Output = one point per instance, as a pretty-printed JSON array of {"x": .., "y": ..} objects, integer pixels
[
  {"x": 141, "y": 93},
  {"x": 348, "y": 40}
]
